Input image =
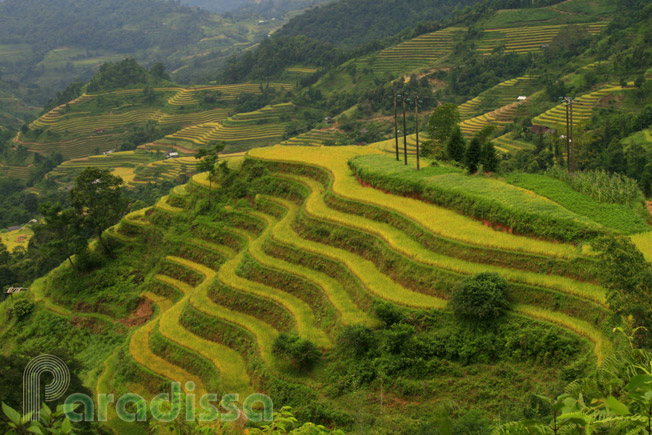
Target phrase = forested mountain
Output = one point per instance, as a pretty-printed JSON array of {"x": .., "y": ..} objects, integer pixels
[
  {"x": 116, "y": 25},
  {"x": 263, "y": 8},
  {"x": 355, "y": 22}
]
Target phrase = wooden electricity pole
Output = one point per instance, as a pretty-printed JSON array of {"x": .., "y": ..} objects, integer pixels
[
  {"x": 396, "y": 127},
  {"x": 404, "y": 132},
  {"x": 568, "y": 154},
  {"x": 416, "y": 118},
  {"x": 572, "y": 143}
]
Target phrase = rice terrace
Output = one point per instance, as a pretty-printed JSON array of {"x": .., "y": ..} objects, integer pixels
[{"x": 326, "y": 217}]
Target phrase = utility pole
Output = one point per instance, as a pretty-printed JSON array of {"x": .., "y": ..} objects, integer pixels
[
  {"x": 404, "y": 132},
  {"x": 396, "y": 127},
  {"x": 416, "y": 118},
  {"x": 570, "y": 151},
  {"x": 572, "y": 143}
]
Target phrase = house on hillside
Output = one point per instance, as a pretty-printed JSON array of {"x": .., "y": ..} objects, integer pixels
[
  {"x": 171, "y": 154},
  {"x": 109, "y": 152},
  {"x": 521, "y": 98}
]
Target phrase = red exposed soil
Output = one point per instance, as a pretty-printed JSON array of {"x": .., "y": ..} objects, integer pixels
[
  {"x": 649, "y": 206},
  {"x": 141, "y": 315}
]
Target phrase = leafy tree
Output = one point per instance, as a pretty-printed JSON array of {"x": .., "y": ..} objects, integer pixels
[
  {"x": 489, "y": 158},
  {"x": 442, "y": 124},
  {"x": 456, "y": 145},
  {"x": 208, "y": 158},
  {"x": 62, "y": 232},
  {"x": 388, "y": 312},
  {"x": 303, "y": 353},
  {"x": 22, "y": 308},
  {"x": 473, "y": 155},
  {"x": 628, "y": 278},
  {"x": 480, "y": 297},
  {"x": 97, "y": 198}
]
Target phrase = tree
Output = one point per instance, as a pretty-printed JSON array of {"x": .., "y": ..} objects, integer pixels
[
  {"x": 456, "y": 145},
  {"x": 442, "y": 124},
  {"x": 208, "y": 158},
  {"x": 303, "y": 353},
  {"x": 97, "y": 198},
  {"x": 473, "y": 155},
  {"x": 489, "y": 158},
  {"x": 62, "y": 232},
  {"x": 628, "y": 278},
  {"x": 480, "y": 297}
]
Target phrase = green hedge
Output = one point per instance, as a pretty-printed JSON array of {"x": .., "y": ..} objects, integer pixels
[{"x": 477, "y": 197}]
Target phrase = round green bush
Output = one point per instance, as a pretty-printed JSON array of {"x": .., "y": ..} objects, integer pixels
[
  {"x": 22, "y": 308},
  {"x": 480, "y": 297}
]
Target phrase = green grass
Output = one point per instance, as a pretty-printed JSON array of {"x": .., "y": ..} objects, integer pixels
[{"x": 615, "y": 216}]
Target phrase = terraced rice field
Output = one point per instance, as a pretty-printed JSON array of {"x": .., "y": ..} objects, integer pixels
[
  {"x": 226, "y": 290},
  {"x": 67, "y": 171},
  {"x": 526, "y": 39},
  {"x": 168, "y": 169},
  {"x": 582, "y": 108},
  {"x": 499, "y": 118},
  {"x": 21, "y": 172},
  {"x": 507, "y": 144},
  {"x": 313, "y": 138},
  {"x": 16, "y": 239},
  {"x": 416, "y": 53},
  {"x": 242, "y": 129},
  {"x": 500, "y": 95},
  {"x": 389, "y": 146},
  {"x": 76, "y": 131}
]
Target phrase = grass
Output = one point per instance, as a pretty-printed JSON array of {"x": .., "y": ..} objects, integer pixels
[
  {"x": 615, "y": 216},
  {"x": 437, "y": 220},
  {"x": 643, "y": 242}
]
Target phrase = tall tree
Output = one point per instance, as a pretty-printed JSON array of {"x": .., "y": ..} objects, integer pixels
[
  {"x": 208, "y": 158},
  {"x": 489, "y": 158},
  {"x": 456, "y": 145},
  {"x": 97, "y": 197},
  {"x": 62, "y": 232},
  {"x": 441, "y": 126},
  {"x": 473, "y": 155}
]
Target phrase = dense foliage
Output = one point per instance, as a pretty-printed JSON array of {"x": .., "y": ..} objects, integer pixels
[
  {"x": 107, "y": 24},
  {"x": 480, "y": 297},
  {"x": 351, "y": 23}
]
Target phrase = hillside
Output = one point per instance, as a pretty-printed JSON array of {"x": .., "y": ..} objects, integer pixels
[
  {"x": 342, "y": 246},
  {"x": 501, "y": 285},
  {"x": 354, "y": 23}
]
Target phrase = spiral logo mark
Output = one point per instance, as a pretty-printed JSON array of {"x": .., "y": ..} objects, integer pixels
[{"x": 32, "y": 383}]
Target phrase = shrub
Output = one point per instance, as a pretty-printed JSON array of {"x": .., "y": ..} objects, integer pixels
[
  {"x": 359, "y": 340},
  {"x": 480, "y": 297},
  {"x": 301, "y": 352},
  {"x": 22, "y": 308},
  {"x": 387, "y": 312}
]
